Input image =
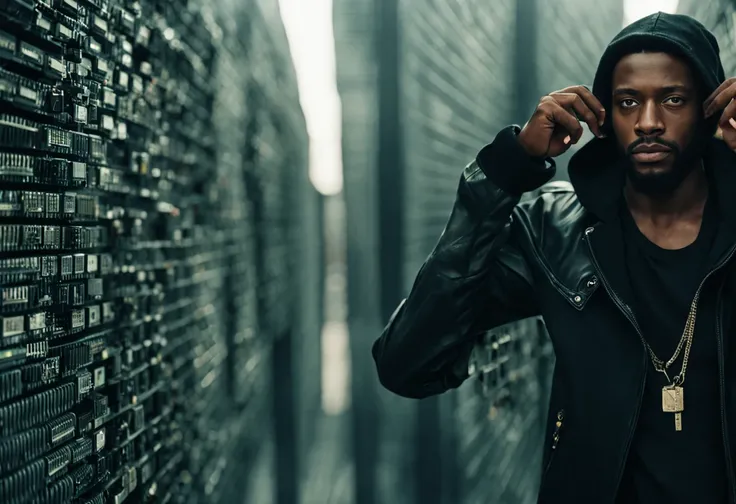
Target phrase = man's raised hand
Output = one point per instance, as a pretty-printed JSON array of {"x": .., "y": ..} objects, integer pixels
[{"x": 556, "y": 123}]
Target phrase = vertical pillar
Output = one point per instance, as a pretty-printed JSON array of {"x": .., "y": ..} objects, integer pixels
[
  {"x": 285, "y": 428},
  {"x": 428, "y": 449},
  {"x": 390, "y": 162},
  {"x": 357, "y": 75},
  {"x": 525, "y": 78}
]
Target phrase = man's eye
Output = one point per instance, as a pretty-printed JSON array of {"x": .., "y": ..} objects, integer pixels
[
  {"x": 628, "y": 103},
  {"x": 675, "y": 100}
]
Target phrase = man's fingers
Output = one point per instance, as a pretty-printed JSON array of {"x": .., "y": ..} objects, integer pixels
[
  {"x": 575, "y": 105},
  {"x": 720, "y": 100},
  {"x": 724, "y": 85},
  {"x": 590, "y": 100},
  {"x": 728, "y": 118},
  {"x": 567, "y": 121}
]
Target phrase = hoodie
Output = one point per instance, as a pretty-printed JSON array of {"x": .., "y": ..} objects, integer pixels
[
  {"x": 593, "y": 170},
  {"x": 675, "y": 34},
  {"x": 590, "y": 167}
]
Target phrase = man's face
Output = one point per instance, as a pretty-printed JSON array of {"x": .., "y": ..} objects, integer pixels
[{"x": 657, "y": 118}]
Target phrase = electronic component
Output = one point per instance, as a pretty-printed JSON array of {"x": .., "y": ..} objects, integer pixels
[
  {"x": 18, "y": 132},
  {"x": 21, "y": 91},
  {"x": 26, "y": 412},
  {"x": 62, "y": 429},
  {"x": 82, "y": 448},
  {"x": 13, "y": 298},
  {"x": 11, "y": 384},
  {"x": 18, "y": 450},
  {"x": 13, "y": 327},
  {"x": 99, "y": 439},
  {"x": 25, "y": 483},
  {"x": 49, "y": 267},
  {"x": 84, "y": 384},
  {"x": 40, "y": 374},
  {"x": 72, "y": 356},
  {"x": 99, "y": 377},
  {"x": 12, "y": 357},
  {"x": 58, "y": 460},
  {"x": 34, "y": 204},
  {"x": 39, "y": 349},
  {"x": 62, "y": 490}
]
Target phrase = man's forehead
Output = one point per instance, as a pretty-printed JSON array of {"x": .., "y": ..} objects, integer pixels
[{"x": 652, "y": 70}]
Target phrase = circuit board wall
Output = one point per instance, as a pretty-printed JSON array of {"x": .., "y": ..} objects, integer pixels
[{"x": 133, "y": 364}]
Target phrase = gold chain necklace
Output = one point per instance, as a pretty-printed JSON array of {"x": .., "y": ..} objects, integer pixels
[{"x": 673, "y": 395}]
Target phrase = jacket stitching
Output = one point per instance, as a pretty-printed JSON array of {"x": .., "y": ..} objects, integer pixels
[{"x": 566, "y": 292}]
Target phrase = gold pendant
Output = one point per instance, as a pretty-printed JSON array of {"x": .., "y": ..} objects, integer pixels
[{"x": 673, "y": 401}]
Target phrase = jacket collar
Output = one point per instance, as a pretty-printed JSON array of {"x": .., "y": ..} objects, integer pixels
[{"x": 598, "y": 178}]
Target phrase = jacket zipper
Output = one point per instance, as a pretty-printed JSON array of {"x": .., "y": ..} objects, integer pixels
[
  {"x": 721, "y": 375},
  {"x": 630, "y": 316},
  {"x": 555, "y": 440}
]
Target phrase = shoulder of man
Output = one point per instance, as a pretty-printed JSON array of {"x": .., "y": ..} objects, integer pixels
[{"x": 553, "y": 206}]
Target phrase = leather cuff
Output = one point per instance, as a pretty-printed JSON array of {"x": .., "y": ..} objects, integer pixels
[{"x": 505, "y": 163}]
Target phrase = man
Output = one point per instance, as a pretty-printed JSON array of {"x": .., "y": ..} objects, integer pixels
[{"x": 630, "y": 267}]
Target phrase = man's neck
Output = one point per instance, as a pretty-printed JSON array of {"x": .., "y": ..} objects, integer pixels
[
  {"x": 688, "y": 199},
  {"x": 671, "y": 221}
]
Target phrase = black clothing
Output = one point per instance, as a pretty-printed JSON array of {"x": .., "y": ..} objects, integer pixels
[
  {"x": 675, "y": 34},
  {"x": 664, "y": 283},
  {"x": 558, "y": 254}
]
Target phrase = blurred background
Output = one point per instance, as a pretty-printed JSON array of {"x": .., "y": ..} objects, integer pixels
[{"x": 314, "y": 152}]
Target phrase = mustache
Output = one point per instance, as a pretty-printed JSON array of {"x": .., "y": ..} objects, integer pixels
[{"x": 653, "y": 140}]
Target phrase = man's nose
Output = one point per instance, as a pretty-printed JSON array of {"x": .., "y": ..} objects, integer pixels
[{"x": 650, "y": 121}]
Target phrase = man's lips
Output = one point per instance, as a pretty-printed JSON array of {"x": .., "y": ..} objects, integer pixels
[
  {"x": 648, "y": 148},
  {"x": 651, "y": 153}
]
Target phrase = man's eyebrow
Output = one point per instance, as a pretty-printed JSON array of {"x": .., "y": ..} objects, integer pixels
[{"x": 676, "y": 88}]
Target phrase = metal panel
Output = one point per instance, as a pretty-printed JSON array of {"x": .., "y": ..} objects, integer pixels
[
  {"x": 457, "y": 80},
  {"x": 457, "y": 77},
  {"x": 719, "y": 16}
]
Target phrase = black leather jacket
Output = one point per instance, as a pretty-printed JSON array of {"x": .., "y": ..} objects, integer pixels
[{"x": 554, "y": 254}]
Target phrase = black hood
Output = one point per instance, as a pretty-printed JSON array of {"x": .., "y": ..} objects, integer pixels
[
  {"x": 674, "y": 34},
  {"x": 594, "y": 170}
]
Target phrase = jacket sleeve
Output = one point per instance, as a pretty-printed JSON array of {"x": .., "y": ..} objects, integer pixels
[{"x": 474, "y": 279}]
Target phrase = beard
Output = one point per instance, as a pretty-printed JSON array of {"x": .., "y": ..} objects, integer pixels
[{"x": 665, "y": 182}]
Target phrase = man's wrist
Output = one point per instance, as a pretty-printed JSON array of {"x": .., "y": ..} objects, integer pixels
[{"x": 506, "y": 163}]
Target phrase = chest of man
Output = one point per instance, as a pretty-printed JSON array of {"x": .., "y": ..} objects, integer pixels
[{"x": 604, "y": 383}]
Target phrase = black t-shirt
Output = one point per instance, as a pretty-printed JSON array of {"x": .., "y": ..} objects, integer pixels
[{"x": 665, "y": 465}]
